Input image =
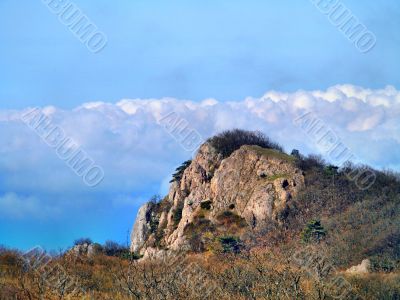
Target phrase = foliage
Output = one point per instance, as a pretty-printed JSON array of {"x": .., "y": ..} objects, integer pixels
[
  {"x": 331, "y": 170},
  {"x": 230, "y": 219},
  {"x": 230, "y": 244},
  {"x": 295, "y": 153},
  {"x": 383, "y": 264},
  {"x": 313, "y": 232},
  {"x": 111, "y": 248},
  {"x": 230, "y": 140},
  {"x": 178, "y": 213},
  {"x": 82, "y": 241},
  {"x": 311, "y": 162},
  {"x": 177, "y": 176},
  {"x": 268, "y": 273}
]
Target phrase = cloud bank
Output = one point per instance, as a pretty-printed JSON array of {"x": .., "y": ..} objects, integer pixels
[{"x": 138, "y": 155}]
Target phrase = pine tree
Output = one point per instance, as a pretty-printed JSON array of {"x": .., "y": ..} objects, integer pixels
[{"x": 313, "y": 232}]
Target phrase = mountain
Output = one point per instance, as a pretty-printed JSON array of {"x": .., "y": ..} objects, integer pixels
[{"x": 241, "y": 190}]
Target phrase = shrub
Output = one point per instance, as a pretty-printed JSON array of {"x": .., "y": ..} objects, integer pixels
[
  {"x": 229, "y": 218},
  {"x": 382, "y": 264},
  {"x": 112, "y": 248},
  {"x": 154, "y": 222},
  {"x": 230, "y": 140},
  {"x": 310, "y": 162},
  {"x": 230, "y": 244},
  {"x": 155, "y": 199},
  {"x": 178, "y": 214},
  {"x": 199, "y": 225},
  {"x": 83, "y": 241},
  {"x": 313, "y": 232}
]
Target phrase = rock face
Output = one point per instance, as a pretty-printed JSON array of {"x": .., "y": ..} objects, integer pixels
[
  {"x": 254, "y": 184},
  {"x": 85, "y": 249},
  {"x": 141, "y": 229}
]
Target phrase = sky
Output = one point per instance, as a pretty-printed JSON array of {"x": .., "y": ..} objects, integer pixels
[{"x": 256, "y": 65}]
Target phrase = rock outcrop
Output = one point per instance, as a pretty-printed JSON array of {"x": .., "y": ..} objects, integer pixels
[
  {"x": 363, "y": 268},
  {"x": 85, "y": 249},
  {"x": 252, "y": 186},
  {"x": 141, "y": 229}
]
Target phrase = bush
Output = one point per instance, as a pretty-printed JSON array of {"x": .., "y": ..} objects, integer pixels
[
  {"x": 178, "y": 214},
  {"x": 112, "y": 248},
  {"x": 310, "y": 162},
  {"x": 382, "y": 264},
  {"x": 230, "y": 244},
  {"x": 331, "y": 170},
  {"x": 313, "y": 232},
  {"x": 229, "y": 218},
  {"x": 230, "y": 140},
  {"x": 83, "y": 241},
  {"x": 199, "y": 226}
]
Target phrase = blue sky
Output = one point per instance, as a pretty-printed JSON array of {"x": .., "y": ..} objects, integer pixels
[
  {"x": 189, "y": 50},
  {"x": 225, "y": 50}
]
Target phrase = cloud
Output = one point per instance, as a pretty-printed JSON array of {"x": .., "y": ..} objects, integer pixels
[{"x": 138, "y": 154}]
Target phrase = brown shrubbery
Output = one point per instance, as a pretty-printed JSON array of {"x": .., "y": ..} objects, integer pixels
[
  {"x": 257, "y": 274},
  {"x": 230, "y": 140}
]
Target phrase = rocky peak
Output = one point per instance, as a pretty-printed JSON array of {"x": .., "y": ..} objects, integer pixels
[{"x": 250, "y": 187}]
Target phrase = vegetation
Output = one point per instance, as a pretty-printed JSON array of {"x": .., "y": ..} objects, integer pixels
[
  {"x": 230, "y": 244},
  {"x": 231, "y": 140},
  {"x": 177, "y": 176},
  {"x": 178, "y": 214},
  {"x": 112, "y": 248},
  {"x": 259, "y": 274},
  {"x": 313, "y": 232},
  {"x": 273, "y": 153},
  {"x": 231, "y": 220},
  {"x": 83, "y": 241},
  {"x": 277, "y": 176}
]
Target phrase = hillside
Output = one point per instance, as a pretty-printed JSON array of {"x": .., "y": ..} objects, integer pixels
[{"x": 270, "y": 196}]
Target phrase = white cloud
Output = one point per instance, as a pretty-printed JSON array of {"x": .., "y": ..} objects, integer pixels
[{"x": 138, "y": 155}]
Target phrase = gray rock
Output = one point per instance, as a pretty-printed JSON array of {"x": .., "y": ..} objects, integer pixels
[
  {"x": 362, "y": 268},
  {"x": 141, "y": 228}
]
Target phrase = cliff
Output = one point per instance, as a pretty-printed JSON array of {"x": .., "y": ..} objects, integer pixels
[{"x": 215, "y": 196}]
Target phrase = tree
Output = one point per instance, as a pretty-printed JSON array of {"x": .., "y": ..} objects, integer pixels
[
  {"x": 83, "y": 241},
  {"x": 313, "y": 232},
  {"x": 177, "y": 176},
  {"x": 296, "y": 153}
]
